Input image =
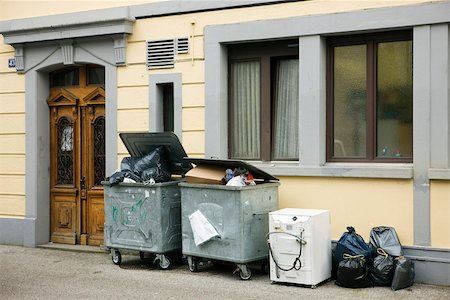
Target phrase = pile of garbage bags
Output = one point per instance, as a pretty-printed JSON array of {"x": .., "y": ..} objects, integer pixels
[
  {"x": 152, "y": 168},
  {"x": 357, "y": 264}
]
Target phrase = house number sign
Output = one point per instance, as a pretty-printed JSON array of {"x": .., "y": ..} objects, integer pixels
[{"x": 11, "y": 63}]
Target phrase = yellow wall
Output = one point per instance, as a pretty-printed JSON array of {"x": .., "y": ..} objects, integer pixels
[
  {"x": 361, "y": 203},
  {"x": 16, "y": 9},
  {"x": 440, "y": 213},
  {"x": 12, "y": 137},
  {"x": 133, "y": 79}
]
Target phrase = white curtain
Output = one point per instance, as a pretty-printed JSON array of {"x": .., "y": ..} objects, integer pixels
[
  {"x": 245, "y": 120},
  {"x": 286, "y": 124}
]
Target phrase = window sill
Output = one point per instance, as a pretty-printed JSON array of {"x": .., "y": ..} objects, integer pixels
[
  {"x": 442, "y": 174},
  {"x": 351, "y": 170}
]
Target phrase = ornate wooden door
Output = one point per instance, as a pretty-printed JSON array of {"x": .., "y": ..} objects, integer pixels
[{"x": 77, "y": 152}]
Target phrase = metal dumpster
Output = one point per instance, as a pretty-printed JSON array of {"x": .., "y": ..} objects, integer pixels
[
  {"x": 146, "y": 218},
  {"x": 238, "y": 214}
]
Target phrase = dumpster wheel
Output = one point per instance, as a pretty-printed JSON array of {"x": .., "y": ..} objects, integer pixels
[
  {"x": 163, "y": 261},
  {"x": 116, "y": 257},
  {"x": 192, "y": 263},
  {"x": 244, "y": 272}
]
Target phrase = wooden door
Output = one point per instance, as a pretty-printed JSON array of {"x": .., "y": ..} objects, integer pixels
[{"x": 77, "y": 152}]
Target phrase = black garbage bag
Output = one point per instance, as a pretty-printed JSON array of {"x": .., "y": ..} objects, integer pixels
[
  {"x": 353, "y": 244},
  {"x": 120, "y": 176},
  {"x": 334, "y": 263},
  {"x": 386, "y": 238},
  {"x": 404, "y": 273},
  {"x": 382, "y": 269},
  {"x": 128, "y": 164},
  {"x": 352, "y": 272},
  {"x": 153, "y": 166}
]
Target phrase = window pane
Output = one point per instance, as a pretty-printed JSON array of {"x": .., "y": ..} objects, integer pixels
[
  {"x": 65, "y": 152},
  {"x": 285, "y": 144},
  {"x": 245, "y": 103},
  {"x": 394, "y": 99},
  {"x": 96, "y": 75},
  {"x": 65, "y": 78},
  {"x": 349, "y": 102}
]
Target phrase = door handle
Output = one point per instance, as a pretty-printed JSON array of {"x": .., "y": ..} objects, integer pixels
[{"x": 83, "y": 183}]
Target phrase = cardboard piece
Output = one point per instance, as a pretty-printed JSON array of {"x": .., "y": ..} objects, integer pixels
[{"x": 207, "y": 174}]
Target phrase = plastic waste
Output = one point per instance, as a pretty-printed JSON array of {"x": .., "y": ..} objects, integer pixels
[
  {"x": 382, "y": 269},
  {"x": 353, "y": 244},
  {"x": 236, "y": 181},
  {"x": 403, "y": 274},
  {"x": 386, "y": 238},
  {"x": 352, "y": 272},
  {"x": 153, "y": 165}
]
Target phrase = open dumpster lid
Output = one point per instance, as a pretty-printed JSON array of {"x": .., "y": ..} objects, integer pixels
[
  {"x": 140, "y": 144},
  {"x": 231, "y": 164}
]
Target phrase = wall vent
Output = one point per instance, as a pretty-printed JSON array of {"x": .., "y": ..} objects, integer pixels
[
  {"x": 182, "y": 45},
  {"x": 160, "y": 54}
]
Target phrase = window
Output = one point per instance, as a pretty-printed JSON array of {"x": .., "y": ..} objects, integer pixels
[
  {"x": 95, "y": 75},
  {"x": 66, "y": 77},
  {"x": 263, "y": 101},
  {"x": 166, "y": 90},
  {"x": 369, "y": 109}
]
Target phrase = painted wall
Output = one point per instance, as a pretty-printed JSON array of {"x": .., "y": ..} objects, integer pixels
[
  {"x": 12, "y": 137},
  {"x": 350, "y": 200},
  {"x": 361, "y": 203},
  {"x": 17, "y": 9},
  {"x": 133, "y": 79},
  {"x": 440, "y": 213}
]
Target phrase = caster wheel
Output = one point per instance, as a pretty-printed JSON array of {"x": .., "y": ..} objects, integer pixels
[
  {"x": 244, "y": 272},
  {"x": 193, "y": 264},
  {"x": 116, "y": 257},
  {"x": 142, "y": 255},
  {"x": 164, "y": 262}
]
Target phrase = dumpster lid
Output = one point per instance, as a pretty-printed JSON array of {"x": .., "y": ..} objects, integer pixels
[
  {"x": 140, "y": 144},
  {"x": 231, "y": 164}
]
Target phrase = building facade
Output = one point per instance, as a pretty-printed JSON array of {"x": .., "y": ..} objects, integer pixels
[{"x": 347, "y": 102}]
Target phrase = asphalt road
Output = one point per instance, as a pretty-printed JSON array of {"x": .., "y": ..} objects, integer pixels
[{"x": 35, "y": 273}]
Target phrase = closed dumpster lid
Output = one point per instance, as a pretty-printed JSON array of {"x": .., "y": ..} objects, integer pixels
[
  {"x": 231, "y": 164},
  {"x": 140, "y": 144}
]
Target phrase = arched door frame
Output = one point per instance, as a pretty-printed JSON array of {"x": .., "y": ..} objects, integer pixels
[{"x": 40, "y": 60}]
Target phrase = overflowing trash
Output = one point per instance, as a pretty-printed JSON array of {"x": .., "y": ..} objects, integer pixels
[
  {"x": 152, "y": 168},
  {"x": 379, "y": 263},
  {"x": 238, "y": 177},
  {"x": 142, "y": 201}
]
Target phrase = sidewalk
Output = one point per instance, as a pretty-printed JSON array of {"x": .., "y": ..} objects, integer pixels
[{"x": 37, "y": 273}]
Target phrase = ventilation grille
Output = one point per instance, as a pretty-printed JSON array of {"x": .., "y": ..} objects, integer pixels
[
  {"x": 182, "y": 45},
  {"x": 160, "y": 54}
]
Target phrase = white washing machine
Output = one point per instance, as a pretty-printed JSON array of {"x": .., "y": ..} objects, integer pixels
[{"x": 300, "y": 246}]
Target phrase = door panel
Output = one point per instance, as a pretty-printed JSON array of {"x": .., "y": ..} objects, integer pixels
[{"x": 77, "y": 164}]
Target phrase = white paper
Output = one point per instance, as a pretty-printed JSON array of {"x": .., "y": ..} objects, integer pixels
[{"x": 201, "y": 228}]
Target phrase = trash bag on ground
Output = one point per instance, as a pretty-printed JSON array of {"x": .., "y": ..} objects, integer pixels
[
  {"x": 352, "y": 272},
  {"x": 382, "y": 269},
  {"x": 403, "y": 274},
  {"x": 353, "y": 244},
  {"x": 386, "y": 238},
  {"x": 334, "y": 262}
]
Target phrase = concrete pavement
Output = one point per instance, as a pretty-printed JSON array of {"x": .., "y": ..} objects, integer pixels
[{"x": 36, "y": 273}]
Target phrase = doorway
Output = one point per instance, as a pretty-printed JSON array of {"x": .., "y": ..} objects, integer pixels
[{"x": 77, "y": 154}]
